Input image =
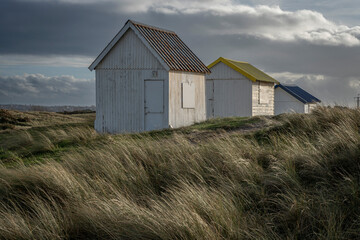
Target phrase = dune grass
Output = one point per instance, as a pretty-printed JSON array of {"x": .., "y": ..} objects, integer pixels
[{"x": 295, "y": 179}]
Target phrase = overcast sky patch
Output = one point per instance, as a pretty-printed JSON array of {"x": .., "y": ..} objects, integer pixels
[
  {"x": 47, "y": 60},
  {"x": 313, "y": 44},
  {"x": 44, "y": 90},
  {"x": 324, "y": 87}
]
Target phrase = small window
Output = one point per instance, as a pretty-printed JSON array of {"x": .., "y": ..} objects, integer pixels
[
  {"x": 263, "y": 93},
  {"x": 188, "y": 95}
]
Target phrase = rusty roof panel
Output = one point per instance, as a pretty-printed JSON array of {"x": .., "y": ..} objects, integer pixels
[{"x": 171, "y": 49}]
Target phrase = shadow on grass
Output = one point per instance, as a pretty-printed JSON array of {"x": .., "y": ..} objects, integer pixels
[{"x": 226, "y": 124}]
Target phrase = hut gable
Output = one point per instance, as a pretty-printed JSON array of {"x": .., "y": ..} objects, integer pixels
[
  {"x": 245, "y": 69},
  {"x": 222, "y": 71},
  {"x": 130, "y": 53},
  {"x": 165, "y": 45}
]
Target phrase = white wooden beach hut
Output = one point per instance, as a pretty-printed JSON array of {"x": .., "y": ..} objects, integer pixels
[
  {"x": 147, "y": 79},
  {"x": 292, "y": 98},
  {"x": 237, "y": 88}
]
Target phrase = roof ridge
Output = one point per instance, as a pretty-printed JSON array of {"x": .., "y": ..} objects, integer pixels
[
  {"x": 252, "y": 66},
  {"x": 246, "y": 69},
  {"x": 234, "y": 60},
  {"x": 151, "y": 27}
]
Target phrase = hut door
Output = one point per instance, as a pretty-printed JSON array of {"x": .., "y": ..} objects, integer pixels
[
  {"x": 209, "y": 99},
  {"x": 153, "y": 104}
]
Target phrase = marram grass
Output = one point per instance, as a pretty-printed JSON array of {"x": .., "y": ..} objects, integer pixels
[{"x": 296, "y": 178}]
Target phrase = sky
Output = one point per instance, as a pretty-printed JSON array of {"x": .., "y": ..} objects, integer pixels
[{"x": 46, "y": 46}]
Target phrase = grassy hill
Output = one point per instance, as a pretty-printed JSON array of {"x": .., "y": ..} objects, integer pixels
[{"x": 292, "y": 176}]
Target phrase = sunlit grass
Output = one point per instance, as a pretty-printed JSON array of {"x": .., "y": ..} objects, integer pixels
[{"x": 296, "y": 178}]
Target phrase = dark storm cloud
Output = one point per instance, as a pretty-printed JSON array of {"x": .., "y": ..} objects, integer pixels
[
  {"x": 56, "y": 28},
  {"x": 330, "y": 73},
  {"x": 275, "y": 56},
  {"x": 83, "y": 27},
  {"x": 40, "y": 89},
  {"x": 270, "y": 55}
]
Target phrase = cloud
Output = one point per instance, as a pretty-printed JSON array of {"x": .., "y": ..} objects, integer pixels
[
  {"x": 354, "y": 83},
  {"x": 292, "y": 78},
  {"x": 47, "y": 60},
  {"x": 263, "y": 21},
  {"x": 56, "y": 28},
  {"x": 83, "y": 27},
  {"x": 269, "y": 22},
  {"x": 329, "y": 89},
  {"x": 45, "y": 90}
]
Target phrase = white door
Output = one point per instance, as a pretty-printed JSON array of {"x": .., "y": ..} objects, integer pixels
[
  {"x": 154, "y": 104},
  {"x": 209, "y": 99}
]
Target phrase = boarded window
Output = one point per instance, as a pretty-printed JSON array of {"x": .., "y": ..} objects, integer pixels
[
  {"x": 188, "y": 95},
  {"x": 263, "y": 92}
]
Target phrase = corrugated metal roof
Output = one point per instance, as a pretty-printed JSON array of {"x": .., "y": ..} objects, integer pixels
[
  {"x": 171, "y": 49},
  {"x": 245, "y": 69},
  {"x": 167, "y": 47},
  {"x": 299, "y": 93}
]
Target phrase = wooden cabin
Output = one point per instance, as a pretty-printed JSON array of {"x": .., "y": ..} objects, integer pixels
[
  {"x": 238, "y": 89},
  {"x": 147, "y": 79},
  {"x": 291, "y": 98}
]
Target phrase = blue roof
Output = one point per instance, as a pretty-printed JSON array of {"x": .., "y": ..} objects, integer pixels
[{"x": 299, "y": 93}]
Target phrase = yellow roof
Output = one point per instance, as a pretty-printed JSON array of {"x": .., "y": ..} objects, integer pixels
[{"x": 245, "y": 69}]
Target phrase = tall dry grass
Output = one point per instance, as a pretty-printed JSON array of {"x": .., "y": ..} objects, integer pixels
[
  {"x": 297, "y": 180},
  {"x": 44, "y": 134}
]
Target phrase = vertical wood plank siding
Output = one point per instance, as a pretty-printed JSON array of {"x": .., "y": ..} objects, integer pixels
[
  {"x": 120, "y": 100},
  {"x": 179, "y": 116},
  {"x": 130, "y": 53},
  {"x": 222, "y": 71},
  {"x": 232, "y": 98},
  {"x": 232, "y": 92},
  {"x": 286, "y": 103}
]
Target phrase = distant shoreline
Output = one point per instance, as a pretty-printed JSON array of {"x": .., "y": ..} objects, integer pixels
[{"x": 64, "y": 108}]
